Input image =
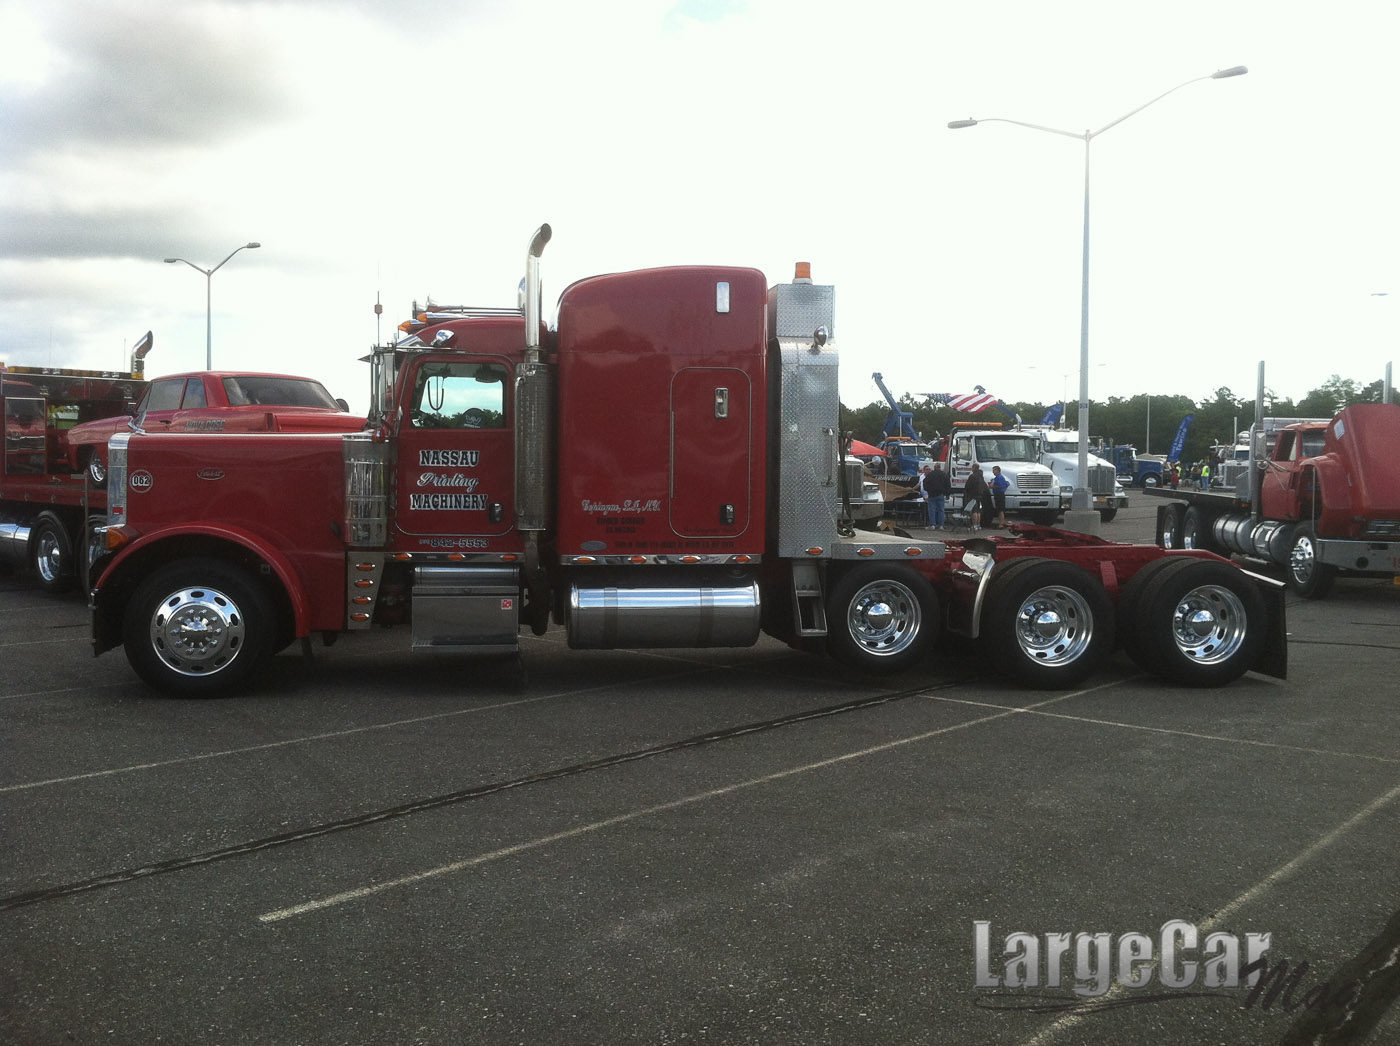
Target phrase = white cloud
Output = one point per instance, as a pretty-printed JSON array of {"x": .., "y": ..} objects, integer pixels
[{"x": 403, "y": 150}]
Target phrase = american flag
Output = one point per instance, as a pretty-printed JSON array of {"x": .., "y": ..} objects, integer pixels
[{"x": 967, "y": 402}]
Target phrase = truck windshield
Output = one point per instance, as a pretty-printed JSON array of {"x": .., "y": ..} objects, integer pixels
[
  {"x": 459, "y": 395},
  {"x": 276, "y": 392},
  {"x": 910, "y": 455},
  {"x": 1007, "y": 447},
  {"x": 1060, "y": 446}
]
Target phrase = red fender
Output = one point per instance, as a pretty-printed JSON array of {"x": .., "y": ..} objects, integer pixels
[{"x": 292, "y": 582}]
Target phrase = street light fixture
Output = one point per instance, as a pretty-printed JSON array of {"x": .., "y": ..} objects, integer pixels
[
  {"x": 208, "y": 299},
  {"x": 1082, "y": 500}
]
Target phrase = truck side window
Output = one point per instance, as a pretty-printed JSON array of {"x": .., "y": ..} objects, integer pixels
[
  {"x": 194, "y": 394},
  {"x": 165, "y": 395},
  {"x": 459, "y": 395},
  {"x": 1313, "y": 444}
]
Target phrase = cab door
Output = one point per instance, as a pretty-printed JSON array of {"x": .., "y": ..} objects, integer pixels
[
  {"x": 455, "y": 466},
  {"x": 711, "y": 439}
]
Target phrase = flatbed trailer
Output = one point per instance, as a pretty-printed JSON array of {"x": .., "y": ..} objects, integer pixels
[{"x": 47, "y": 512}]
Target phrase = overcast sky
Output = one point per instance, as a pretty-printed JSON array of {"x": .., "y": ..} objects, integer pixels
[{"x": 408, "y": 148}]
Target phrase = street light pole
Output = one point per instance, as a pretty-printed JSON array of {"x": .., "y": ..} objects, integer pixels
[
  {"x": 1082, "y": 500},
  {"x": 209, "y": 299}
]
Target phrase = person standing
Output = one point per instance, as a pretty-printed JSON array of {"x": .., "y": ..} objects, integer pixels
[
  {"x": 936, "y": 488},
  {"x": 999, "y": 484},
  {"x": 975, "y": 491}
]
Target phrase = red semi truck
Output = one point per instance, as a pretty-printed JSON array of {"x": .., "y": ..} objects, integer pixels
[
  {"x": 47, "y": 514},
  {"x": 1317, "y": 496},
  {"x": 662, "y": 468}
]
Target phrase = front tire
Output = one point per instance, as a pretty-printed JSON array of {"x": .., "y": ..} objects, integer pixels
[
  {"x": 1048, "y": 624},
  {"x": 1306, "y": 576},
  {"x": 1151, "y": 480},
  {"x": 1106, "y": 515},
  {"x": 198, "y": 627},
  {"x": 1198, "y": 623},
  {"x": 882, "y": 619}
]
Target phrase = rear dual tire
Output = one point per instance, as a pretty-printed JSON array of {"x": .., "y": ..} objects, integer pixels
[
  {"x": 51, "y": 554},
  {"x": 1194, "y": 622},
  {"x": 1048, "y": 624}
]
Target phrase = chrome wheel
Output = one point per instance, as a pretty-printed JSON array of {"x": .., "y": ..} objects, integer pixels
[
  {"x": 1209, "y": 624},
  {"x": 884, "y": 618},
  {"x": 1302, "y": 560},
  {"x": 48, "y": 558},
  {"x": 97, "y": 470},
  {"x": 1054, "y": 625},
  {"x": 1307, "y": 574},
  {"x": 197, "y": 631},
  {"x": 51, "y": 554}
]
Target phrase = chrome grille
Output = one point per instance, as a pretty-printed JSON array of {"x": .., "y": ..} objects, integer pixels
[
  {"x": 1034, "y": 481},
  {"x": 1101, "y": 479}
]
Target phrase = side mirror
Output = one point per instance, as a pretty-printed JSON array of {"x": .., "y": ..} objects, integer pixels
[{"x": 342, "y": 405}]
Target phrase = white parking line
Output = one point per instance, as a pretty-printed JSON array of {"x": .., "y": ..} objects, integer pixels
[
  {"x": 329, "y": 735},
  {"x": 1174, "y": 733},
  {"x": 65, "y": 640},
  {"x": 69, "y": 690},
  {"x": 1070, "y": 1021},
  {"x": 533, "y": 844}
]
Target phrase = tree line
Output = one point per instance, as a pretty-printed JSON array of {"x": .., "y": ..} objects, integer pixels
[{"x": 1148, "y": 422}]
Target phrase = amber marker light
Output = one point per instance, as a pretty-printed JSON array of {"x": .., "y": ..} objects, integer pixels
[
  {"x": 913, "y": 550},
  {"x": 865, "y": 551},
  {"x": 364, "y": 566},
  {"x": 814, "y": 552}
]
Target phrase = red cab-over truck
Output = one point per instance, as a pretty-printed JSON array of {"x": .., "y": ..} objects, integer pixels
[
  {"x": 1318, "y": 496},
  {"x": 662, "y": 468}
]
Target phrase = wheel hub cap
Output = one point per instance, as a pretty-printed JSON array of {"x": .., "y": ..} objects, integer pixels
[
  {"x": 1209, "y": 624},
  {"x": 197, "y": 631},
  {"x": 884, "y": 618},
  {"x": 1054, "y": 626}
]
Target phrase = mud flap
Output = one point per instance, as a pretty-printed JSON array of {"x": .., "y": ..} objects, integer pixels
[{"x": 1273, "y": 655}]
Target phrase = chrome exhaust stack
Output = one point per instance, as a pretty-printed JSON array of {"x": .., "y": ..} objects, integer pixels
[{"x": 534, "y": 416}]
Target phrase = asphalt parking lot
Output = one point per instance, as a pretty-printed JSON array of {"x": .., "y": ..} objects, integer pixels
[{"x": 715, "y": 846}]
